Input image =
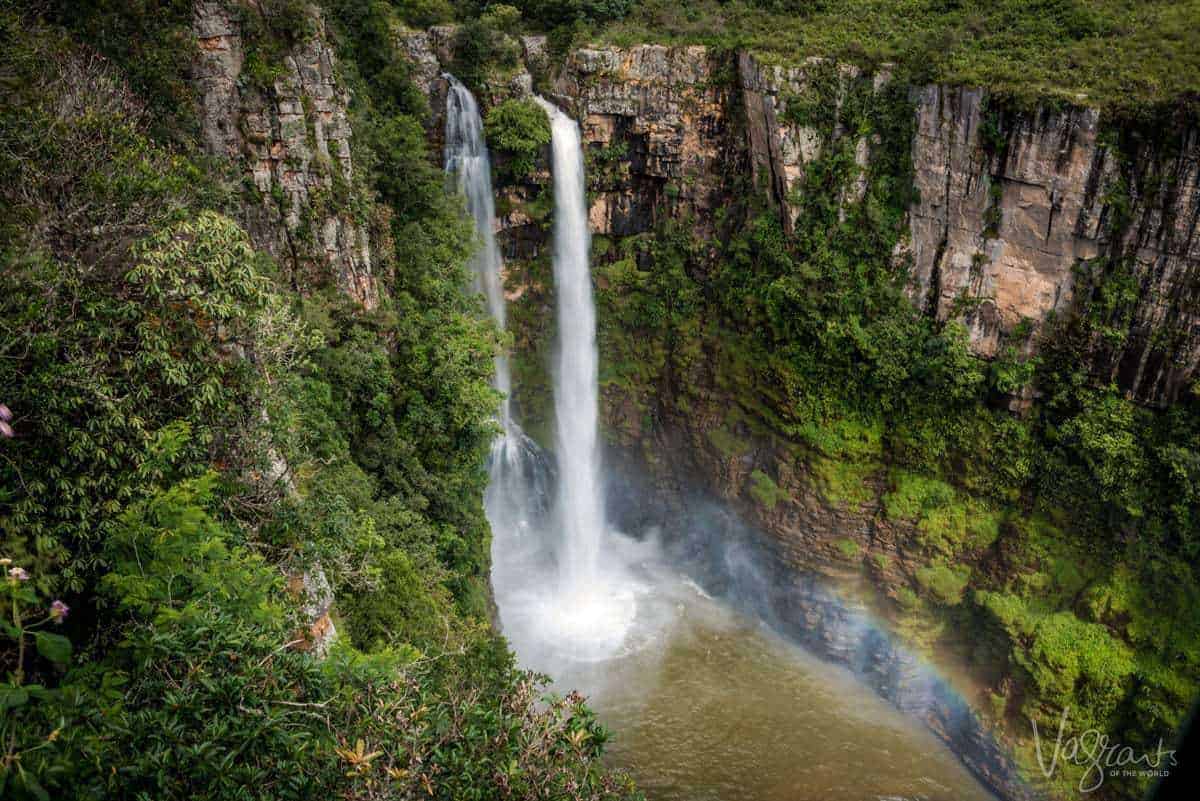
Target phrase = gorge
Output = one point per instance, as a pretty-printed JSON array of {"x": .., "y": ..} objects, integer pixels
[
  {"x": 1007, "y": 205},
  {"x": 617, "y": 619},
  {"x": 605, "y": 399}
]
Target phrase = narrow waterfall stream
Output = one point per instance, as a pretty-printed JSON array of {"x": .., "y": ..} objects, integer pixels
[
  {"x": 468, "y": 163},
  {"x": 705, "y": 700},
  {"x": 518, "y": 473}
]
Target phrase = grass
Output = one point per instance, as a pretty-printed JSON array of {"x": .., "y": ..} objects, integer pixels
[
  {"x": 1116, "y": 54},
  {"x": 848, "y": 548},
  {"x": 845, "y": 482}
]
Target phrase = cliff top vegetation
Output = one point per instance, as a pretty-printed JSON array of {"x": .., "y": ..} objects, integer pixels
[{"x": 1124, "y": 56}]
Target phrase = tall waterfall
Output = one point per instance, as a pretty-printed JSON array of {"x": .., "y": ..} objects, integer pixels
[
  {"x": 467, "y": 161},
  {"x": 556, "y": 599},
  {"x": 518, "y": 470},
  {"x": 576, "y": 396}
]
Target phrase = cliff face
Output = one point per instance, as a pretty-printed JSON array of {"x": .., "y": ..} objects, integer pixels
[
  {"x": 1010, "y": 208},
  {"x": 291, "y": 143}
]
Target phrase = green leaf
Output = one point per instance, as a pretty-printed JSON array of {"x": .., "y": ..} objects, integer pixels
[
  {"x": 33, "y": 787},
  {"x": 12, "y": 697},
  {"x": 54, "y": 647}
]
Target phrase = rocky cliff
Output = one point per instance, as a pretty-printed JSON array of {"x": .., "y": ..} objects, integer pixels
[
  {"x": 290, "y": 143},
  {"x": 290, "y": 140},
  {"x": 1010, "y": 210},
  {"x": 1012, "y": 207}
]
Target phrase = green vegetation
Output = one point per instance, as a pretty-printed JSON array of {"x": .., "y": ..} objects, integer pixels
[
  {"x": 1115, "y": 54},
  {"x": 729, "y": 446},
  {"x": 200, "y": 435},
  {"x": 764, "y": 490},
  {"x": 849, "y": 549},
  {"x": 845, "y": 482},
  {"x": 1125, "y": 57},
  {"x": 517, "y": 130},
  {"x": 197, "y": 695},
  {"x": 946, "y": 584},
  {"x": 948, "y": 521}
]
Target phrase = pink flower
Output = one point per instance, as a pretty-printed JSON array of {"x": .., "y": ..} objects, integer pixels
[
  {"x": 5, "y": 413},
  {"x": 59, "y": 611},
  {"x": 6, "y": 430},
  {"x": 18, "y": 574}
]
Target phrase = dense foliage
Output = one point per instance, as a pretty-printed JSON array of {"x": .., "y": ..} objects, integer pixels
[
  {"x": 198, "y": 460},
  {"x": 517, "y": 131},
  {"x": 1113, "y": 53},
  {"x": 1121, "y": 55}
]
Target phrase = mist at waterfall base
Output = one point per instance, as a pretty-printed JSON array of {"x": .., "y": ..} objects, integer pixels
[{"x": 683, "y": 633}]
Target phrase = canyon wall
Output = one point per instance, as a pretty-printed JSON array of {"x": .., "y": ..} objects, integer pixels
[
  {"x": 289, "y": 141},
  {"x": 1010, "y": 208}
]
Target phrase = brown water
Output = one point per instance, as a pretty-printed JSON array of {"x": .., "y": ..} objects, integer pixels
[{"x": 713, "y": 706}]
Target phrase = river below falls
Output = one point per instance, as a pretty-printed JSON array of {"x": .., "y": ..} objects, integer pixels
[{"x": 707, "y": 704}]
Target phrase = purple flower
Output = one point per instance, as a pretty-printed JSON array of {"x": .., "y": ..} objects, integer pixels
[
  {"x": 5, "y": 413},
  {"x": 6, "y": 430},
  {"x": 59, "y": 611},
  {"x": 18, "y": 574}
]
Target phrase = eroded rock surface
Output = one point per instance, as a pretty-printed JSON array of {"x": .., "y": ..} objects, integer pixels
[
  {"x": 291, "y": 142},
  {"x": 1011, "y": 205}
]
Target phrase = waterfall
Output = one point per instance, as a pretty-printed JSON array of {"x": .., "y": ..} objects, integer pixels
[
  {"x": 518, "y": 471},
  {"x": 468, "y": 162},
  {"x": 576, "y": 396},
  {"x": 555, "y": 597}
]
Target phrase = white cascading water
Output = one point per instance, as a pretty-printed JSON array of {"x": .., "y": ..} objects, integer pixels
[
  {"x": 467, "y": 161},
  {"x": 576, "y": 395},
  {"x": 556, "y": 597},
  {"x": 517, "y": 470},
  {"x": 587, "y": 611}
]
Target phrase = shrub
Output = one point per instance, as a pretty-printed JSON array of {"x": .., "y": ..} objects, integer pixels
[
  {"x": 203, "y": 694},
  {"x": 1105, "y": 439},
  {"x": 1078, "y": 664},
  {"x": 518, "y": 130},
  {"x": 947, "y": 521}
]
